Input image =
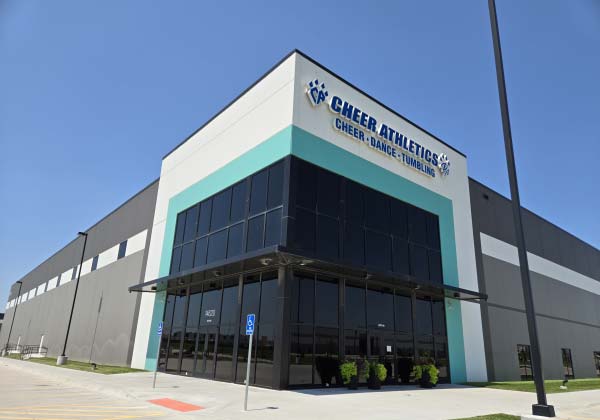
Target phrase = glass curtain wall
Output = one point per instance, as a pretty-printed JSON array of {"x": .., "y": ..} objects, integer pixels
[
  {"x": 338, "y": 220},
  {"x": 200, "y": 332},
  {"x": 378, "y": 325},
  {"x": 260, "y": 298},
  {"x": 242, "y": 218}
]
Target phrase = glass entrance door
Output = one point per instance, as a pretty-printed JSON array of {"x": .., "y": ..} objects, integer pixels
[
  {"x": 205, "y": 359},
  {"x": 381, "y": 349}
]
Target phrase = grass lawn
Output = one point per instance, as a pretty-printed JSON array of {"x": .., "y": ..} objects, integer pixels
[
  {"x": 493, "y": 417},
  {"x": 552, "y": 386},
  {"x": 104, "y": 369}
]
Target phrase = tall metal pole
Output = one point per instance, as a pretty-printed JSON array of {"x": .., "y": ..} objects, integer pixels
[
  {"x": 63, "y": 358},
  {"x": 12, "y": 322},
  {"x": 541, "y": 408}
]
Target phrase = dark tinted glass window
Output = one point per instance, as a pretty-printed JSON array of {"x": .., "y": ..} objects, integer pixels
[
  {"x": 179, "y": 312},
  {"x": 354, "y": 202},
  {"x": 211, "y": 307},
  {"x": 303, "y": 300},
  {"x": 200, "y": 253},
  {"x": 306, "y": 179},
  {"x": 273, "y": 228},
  {"x": 301, "y": 355},
  {"x": 224, "y": 368},
  {"x": 354, "y": 309},
  {"x": 377, "y": 210},
  {"x": 95, "y": 263},
  {"x": 567, "y": 363},
  {"x": 217, "y": 246},
  {"x": 258, "y": 192},
  {"x": 191, "y": 221},
  {"x": 255, "y": 233},
  {"x": 235, "y": 242},
  {"x": 238, "y": 201},
  {"x": 328, "y": 193},
  {"x": 275, "y": 194},
  {"x": 326, "y": 305},
  {"x": 175, "y": 260},
  {"x": 187, "y": 257},
  {"x": 122, "y": 250},
  {"x": 401, "y": 260},
  {"x": 193, "y": 317},
  {"x": 326, "y": 355},
  {"x": 433, "y": 231},
  {"x": 220, "y": 210},
  {"x": 168, "y": 315},
  {"x": 423, "y": 317},
  {"x": 417, "y": 225},
  {"x": 439, "y": 317},
  {"x": 250, "y": 297},
  {"x": 378, "y": 250},
  {"x": 399, "y": 223},
  {"x": 435, "y": 267},
  {"x": 380, "y": 308},
  {"x": 305, "y": 230},
  {"x": 179, "y": 227},
  {"x": 229, "y": 305},
  {"x": 205, "y": 214},
  {"x": 354, "y": 244},
  {"x": 74, "y": 272},
  {"x": 419, "y": 266},
  {"x": 328, "y": 237},
  {"x": 268, "y": 299},
  {"x": 403, "y": 313}
]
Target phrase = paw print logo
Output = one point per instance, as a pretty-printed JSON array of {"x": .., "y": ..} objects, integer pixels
[
  {"x": 444, "y": 164},
  {"x": 316, "y": 92}
]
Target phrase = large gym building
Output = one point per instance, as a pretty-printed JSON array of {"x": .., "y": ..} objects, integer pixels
[{"x": 351, "y": 233}]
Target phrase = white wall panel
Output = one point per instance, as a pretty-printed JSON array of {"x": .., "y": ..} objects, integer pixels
[
  {"x": 52, "y": 283},
  {"x": 136, "y": 243},
  {"x": 260, "y": 113},
  {"x": 108, "y": 257}
]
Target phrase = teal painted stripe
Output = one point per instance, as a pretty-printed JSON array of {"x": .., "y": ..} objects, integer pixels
[
  {"x": 276, "y": 147},
  {"x": 328, "y": 156}
]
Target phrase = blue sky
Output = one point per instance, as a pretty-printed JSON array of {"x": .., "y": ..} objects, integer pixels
[{"x": 93, "y": 94}]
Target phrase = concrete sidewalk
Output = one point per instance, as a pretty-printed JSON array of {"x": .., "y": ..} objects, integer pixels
[{"x": 225, "y": 400}]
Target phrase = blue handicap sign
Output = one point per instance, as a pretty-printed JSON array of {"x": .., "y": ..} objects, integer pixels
[
  {"x": 250, "y": 324},
  {"x": 160, "y": 327}
]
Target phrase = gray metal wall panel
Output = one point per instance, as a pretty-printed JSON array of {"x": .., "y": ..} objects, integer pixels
[
  {"x": 48, "y": 313},
  {"x": 567, "y": 316},
  {"x": 132, "y": 217}
]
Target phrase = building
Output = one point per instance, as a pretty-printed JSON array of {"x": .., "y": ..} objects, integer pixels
[{"x": 349, "y": 231}]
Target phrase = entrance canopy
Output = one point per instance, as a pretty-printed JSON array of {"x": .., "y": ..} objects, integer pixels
[{"x": 276, "y": 257}]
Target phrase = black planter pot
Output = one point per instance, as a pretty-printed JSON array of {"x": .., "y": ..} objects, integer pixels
[
  {"x": 373, "y": 382},
  {"x": 425, "y": 381},
  {"x": 353, "y": 384}
]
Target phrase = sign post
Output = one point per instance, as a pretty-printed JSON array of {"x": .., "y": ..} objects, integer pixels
[
  {"x": 249, "y": 331},
  {"x": 159, "y": 333}
]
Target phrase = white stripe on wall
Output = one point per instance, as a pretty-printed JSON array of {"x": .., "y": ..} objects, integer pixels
[
  {"x": 506, "y": 252},
  {"x": 135, "y": 244}
]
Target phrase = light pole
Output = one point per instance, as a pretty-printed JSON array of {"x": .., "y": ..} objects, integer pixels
[
  {"x": 12, "y": 322},
  {"x": 541, "y": 408},
  {"x": 62, "y": 359}
]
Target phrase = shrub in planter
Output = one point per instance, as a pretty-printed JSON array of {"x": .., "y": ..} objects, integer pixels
[
  {"x": 376, "y": 374},
  {"x": 349, "y": 373},
  {"x": 426, "y": 375}
]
